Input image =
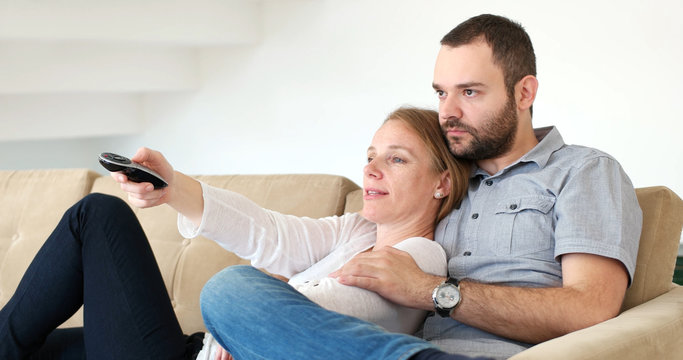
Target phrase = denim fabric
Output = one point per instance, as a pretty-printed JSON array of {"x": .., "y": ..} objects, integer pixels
[
  {"x": 238, "y": 303},
  {"x": 98, "y": 256}
]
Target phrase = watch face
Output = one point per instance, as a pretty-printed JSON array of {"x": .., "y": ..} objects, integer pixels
[{"x": 448, "y": 296}]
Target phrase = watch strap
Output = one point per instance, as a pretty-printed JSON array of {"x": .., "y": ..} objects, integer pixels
[{"x": 453, "y": 281}]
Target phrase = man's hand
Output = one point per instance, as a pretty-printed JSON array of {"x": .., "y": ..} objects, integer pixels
[{"x": 393, "y": 274}]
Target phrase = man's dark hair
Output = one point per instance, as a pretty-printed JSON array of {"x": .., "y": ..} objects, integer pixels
[{"x": 509, "y": 42}]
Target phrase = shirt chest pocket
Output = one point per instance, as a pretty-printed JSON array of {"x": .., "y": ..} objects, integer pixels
[{"x": 524, "y": 225}]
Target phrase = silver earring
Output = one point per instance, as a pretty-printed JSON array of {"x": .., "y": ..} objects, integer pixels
[{"x": 438, "y": 195}]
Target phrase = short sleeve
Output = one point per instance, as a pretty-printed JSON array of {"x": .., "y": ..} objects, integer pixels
[{"x": 597, "y": 212}]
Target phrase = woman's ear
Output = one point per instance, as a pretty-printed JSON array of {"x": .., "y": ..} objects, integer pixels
[{"x": 445, "y": 185}]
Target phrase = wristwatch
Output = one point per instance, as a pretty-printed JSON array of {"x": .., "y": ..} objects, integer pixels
[{"x": 446, "y": 297}]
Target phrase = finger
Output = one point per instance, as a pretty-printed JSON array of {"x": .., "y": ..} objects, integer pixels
[
  {"x": 389, "y": 257},
  {"x": 144, "y": 202},
  {"x": 362, "y": 282},
  {"x": 149, "y": 199},
  {"x": 118, "y": 176},
  {"x": 153, "y": 195},
  {"x": 142, "y": 155},
  {"x": 149, "y": 158},
  {"x": 360, "y": 275},
  {"x": 137, "y": 188}
]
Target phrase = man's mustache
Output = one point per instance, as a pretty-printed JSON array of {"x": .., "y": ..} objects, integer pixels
[{"x": 455, "y": 123}]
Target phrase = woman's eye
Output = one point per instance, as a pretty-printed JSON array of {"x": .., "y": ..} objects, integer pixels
[
  {"x": 397, "y": 160},
  {"x": 369, "y": 159}
]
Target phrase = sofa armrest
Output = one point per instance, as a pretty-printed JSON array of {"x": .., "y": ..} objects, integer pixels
[{"x": 651, "y": 330}]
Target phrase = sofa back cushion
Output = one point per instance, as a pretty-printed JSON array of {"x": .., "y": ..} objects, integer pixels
[
  {"x": 186, "y": 264},
  {"x": 354, "y": 201},
  {"x": 659, "y": 241},
  {"x": 33, "y": 202}
]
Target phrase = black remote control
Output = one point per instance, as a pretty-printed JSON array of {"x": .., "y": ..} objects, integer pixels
[{"x": 134, "y": 171}]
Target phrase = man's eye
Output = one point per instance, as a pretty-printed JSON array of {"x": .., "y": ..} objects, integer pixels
[
  {"x": 440, "y": 93},
  {"x": 469, "y": 92}
]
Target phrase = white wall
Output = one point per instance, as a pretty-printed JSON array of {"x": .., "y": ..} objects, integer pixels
[{"x": 308, "y": 96}]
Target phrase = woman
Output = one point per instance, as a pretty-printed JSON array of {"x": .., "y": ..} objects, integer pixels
[
  {"x": 98, "y": 254},
  {"x": 410, "y": 182}
]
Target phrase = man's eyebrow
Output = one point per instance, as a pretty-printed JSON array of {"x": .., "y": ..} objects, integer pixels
[
  {"x": 470, "y": 85},
  {"x": 466, "y": 85}
]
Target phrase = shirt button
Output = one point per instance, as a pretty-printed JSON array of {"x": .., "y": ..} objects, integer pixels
[
  {"x": 513, "y": 206},
  {"x": 475, "y": 215},
  {"x": 489, "y": 182},
  {"x": 467, "y": 253}
]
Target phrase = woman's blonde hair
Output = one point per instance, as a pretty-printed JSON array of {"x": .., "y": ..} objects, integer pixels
[{"x": 425, "y": 123}]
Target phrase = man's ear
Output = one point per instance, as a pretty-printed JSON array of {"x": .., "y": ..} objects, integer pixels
[
  {"x": 445, "y": 185},
  {"x": 525, "y": 92}
]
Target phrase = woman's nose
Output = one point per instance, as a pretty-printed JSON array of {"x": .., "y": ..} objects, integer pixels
[{"x": 371, "y": 169}]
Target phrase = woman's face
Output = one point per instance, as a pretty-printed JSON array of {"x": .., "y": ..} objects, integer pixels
[{"x": 399, "y": 181}]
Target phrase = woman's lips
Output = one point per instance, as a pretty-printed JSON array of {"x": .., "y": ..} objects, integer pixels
[{"x": 374, "y": 193}]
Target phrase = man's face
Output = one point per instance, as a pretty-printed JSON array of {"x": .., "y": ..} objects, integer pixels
[{"x": 477, "y": 116}]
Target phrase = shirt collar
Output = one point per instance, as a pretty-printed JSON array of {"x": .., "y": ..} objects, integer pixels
[{"x": 549, "y": 140}]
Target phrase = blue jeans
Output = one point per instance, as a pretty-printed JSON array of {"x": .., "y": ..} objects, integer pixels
[
  {"x": 98, "y": 256},
  {"x": 255, "y": 316}
]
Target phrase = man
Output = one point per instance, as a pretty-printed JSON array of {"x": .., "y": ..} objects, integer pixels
[{"x": 545, "y": 242}]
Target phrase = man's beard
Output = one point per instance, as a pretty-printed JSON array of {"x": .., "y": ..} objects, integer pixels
[{"x": 494, "y": 138}]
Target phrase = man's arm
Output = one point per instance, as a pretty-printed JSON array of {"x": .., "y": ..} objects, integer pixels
[{"x": 592, "y": 291}]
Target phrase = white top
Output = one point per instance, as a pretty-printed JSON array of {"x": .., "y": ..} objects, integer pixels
[
  {"x": 365, "y": 304},
  {"x": 307, "y": 250}
]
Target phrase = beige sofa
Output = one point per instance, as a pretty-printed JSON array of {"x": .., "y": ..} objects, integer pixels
[{"x": 650, "y": 326}]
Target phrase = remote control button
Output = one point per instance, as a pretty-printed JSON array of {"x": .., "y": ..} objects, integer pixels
[{"x": 116, "y": 158}]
